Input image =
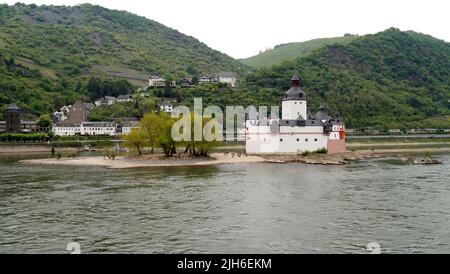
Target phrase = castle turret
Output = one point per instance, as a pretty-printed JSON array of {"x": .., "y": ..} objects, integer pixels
[
  {"x": 294, "y": 102},
  {"x": 13, "y": 119}
]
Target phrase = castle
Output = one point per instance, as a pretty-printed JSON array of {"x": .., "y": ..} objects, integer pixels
[{"x": 297, "y": 131}]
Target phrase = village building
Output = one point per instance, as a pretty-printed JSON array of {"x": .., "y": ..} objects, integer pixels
[
  {"x": 124, "y": 98},
  {"x": 184, "y": 83},
  {"x": 66, "y": 129},
  {"x": 126, "y": 127},
  {"x": 98, "y": 128},
  {"x": 223, "y": 77},
  {"x": 85, "y": 128},
  {"x": 202, "y": 79},
  {"x": 105, "y": 101},
  {"x": 156, "y": 81},
  {"x": 227, "y": 78},
  {"x": 79, "y": 112},
  {"x": 298, "y": 130},
  {"x": 166, "y": 107}
]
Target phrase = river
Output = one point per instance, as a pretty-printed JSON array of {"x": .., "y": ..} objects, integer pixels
[{"x": 245, "y": 208}]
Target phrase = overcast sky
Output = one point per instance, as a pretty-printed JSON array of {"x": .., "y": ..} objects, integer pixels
[{"x": 240, "y": 28}]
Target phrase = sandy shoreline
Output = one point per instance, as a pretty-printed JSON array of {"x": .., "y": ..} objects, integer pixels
[
  {"x": 220, "y": 159},
  {"x": 123, "y": 162}
]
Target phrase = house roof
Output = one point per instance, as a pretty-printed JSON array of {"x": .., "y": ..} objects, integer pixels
[
  {"x": 322, "y": 114},
  {"x": 126, "y": 96},
  {"x": 166, "y": 103},
  {"x": 13, "y": 108}
]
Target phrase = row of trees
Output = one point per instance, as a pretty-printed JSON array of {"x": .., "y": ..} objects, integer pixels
[{"x": 156, "y": 131}]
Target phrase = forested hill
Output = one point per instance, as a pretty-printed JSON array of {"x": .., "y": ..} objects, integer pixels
[
  {"x": 390, "y": 79},
  {"x": 67, "y": 45},
  {"x": 290, "y": 51}
]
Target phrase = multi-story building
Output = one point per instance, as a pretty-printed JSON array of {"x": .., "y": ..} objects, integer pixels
[{"x": 156, "y": 81}]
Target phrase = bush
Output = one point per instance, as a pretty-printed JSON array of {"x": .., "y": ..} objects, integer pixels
[
  {"x": 322, "y": 151},
  {"x": 58, "y": 155},
  {"x": 22, "y": 137}
]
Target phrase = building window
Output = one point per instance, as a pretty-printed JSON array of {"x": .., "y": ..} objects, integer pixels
[
  {"x": 306, "y": 140},
  {"x": 281, "y": 140},
  {"x": 298, "y": 140},
  {"x": 315, "y": 140}
]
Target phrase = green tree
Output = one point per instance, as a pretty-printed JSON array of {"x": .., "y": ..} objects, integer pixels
[
  {"x": 44, "y": 121},
  {"x": 164, "y": 138},
  {"x": 152, "y": 124},
  {"x": 136, "y": 139},
  {"x": 203, "y": 147}
]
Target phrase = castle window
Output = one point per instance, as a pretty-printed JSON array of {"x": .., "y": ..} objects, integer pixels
[
  {"x": 298, "y": 140},
  {"x": 315, "y": 140},
  {"x": 281, "y": 140},
  {"x": 306, "y": 140}
]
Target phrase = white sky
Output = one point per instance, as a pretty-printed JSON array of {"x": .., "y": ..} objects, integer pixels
[{"x": 240, "y": 28}]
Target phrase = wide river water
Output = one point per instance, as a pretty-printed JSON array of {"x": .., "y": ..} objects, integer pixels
[{"x": 245, "y": 208}]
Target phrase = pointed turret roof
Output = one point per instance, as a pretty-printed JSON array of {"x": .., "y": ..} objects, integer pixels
[{"x": 295, "y": 93}]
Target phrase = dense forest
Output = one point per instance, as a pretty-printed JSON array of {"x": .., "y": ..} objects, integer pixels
[{"x": 51, "y": 56}]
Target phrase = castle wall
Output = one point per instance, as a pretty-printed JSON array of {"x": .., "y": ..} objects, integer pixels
[
  {"x": 289, "y": 140},
  {"x": 336, "y": 146}
]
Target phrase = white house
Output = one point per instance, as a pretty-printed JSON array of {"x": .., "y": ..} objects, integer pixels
[
  {"x": 202, "y": 79},
  {"x": 296, "y": 131},
  {"x": 98, "y": 128},
  {"x": 126, "y": 127},
  {"x": 156, "y": 81},
  {"x": 106, "y": 101},
  {"x": 227, "y": 78},
  {"x": 64, "y": 129},
  {"x": 85, "y": 128},
  {"x": 166, "y": 107},
  {"x": 223, "y": 77}
]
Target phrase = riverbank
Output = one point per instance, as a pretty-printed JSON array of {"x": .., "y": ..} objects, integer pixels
[
  {"x": 8, "y": 149},
  {"x": 144, "y": 161},
  {"x": 123, "y": 162}
]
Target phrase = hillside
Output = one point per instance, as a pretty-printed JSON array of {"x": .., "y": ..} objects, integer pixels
[
  {"x": 61, "y": 47},
  {"x": 287, "y": 52},
  {"x": 391, "y": 79}
]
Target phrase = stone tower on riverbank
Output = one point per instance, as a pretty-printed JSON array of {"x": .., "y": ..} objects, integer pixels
[{"x": 13, "y": 119}]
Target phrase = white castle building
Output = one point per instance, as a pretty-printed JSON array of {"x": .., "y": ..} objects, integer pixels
[{"x": 297, "y": 131}]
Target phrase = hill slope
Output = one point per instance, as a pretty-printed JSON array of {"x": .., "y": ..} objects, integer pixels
[
  {"x": 70, "y": 44},
  {"x": 391, "y": 79},
  {"x": 287, "y": 52}
]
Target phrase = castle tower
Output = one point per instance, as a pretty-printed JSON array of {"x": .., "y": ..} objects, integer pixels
[
  {"x": 13, "y": 119},
  {"x": 294, "y": 102}
]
